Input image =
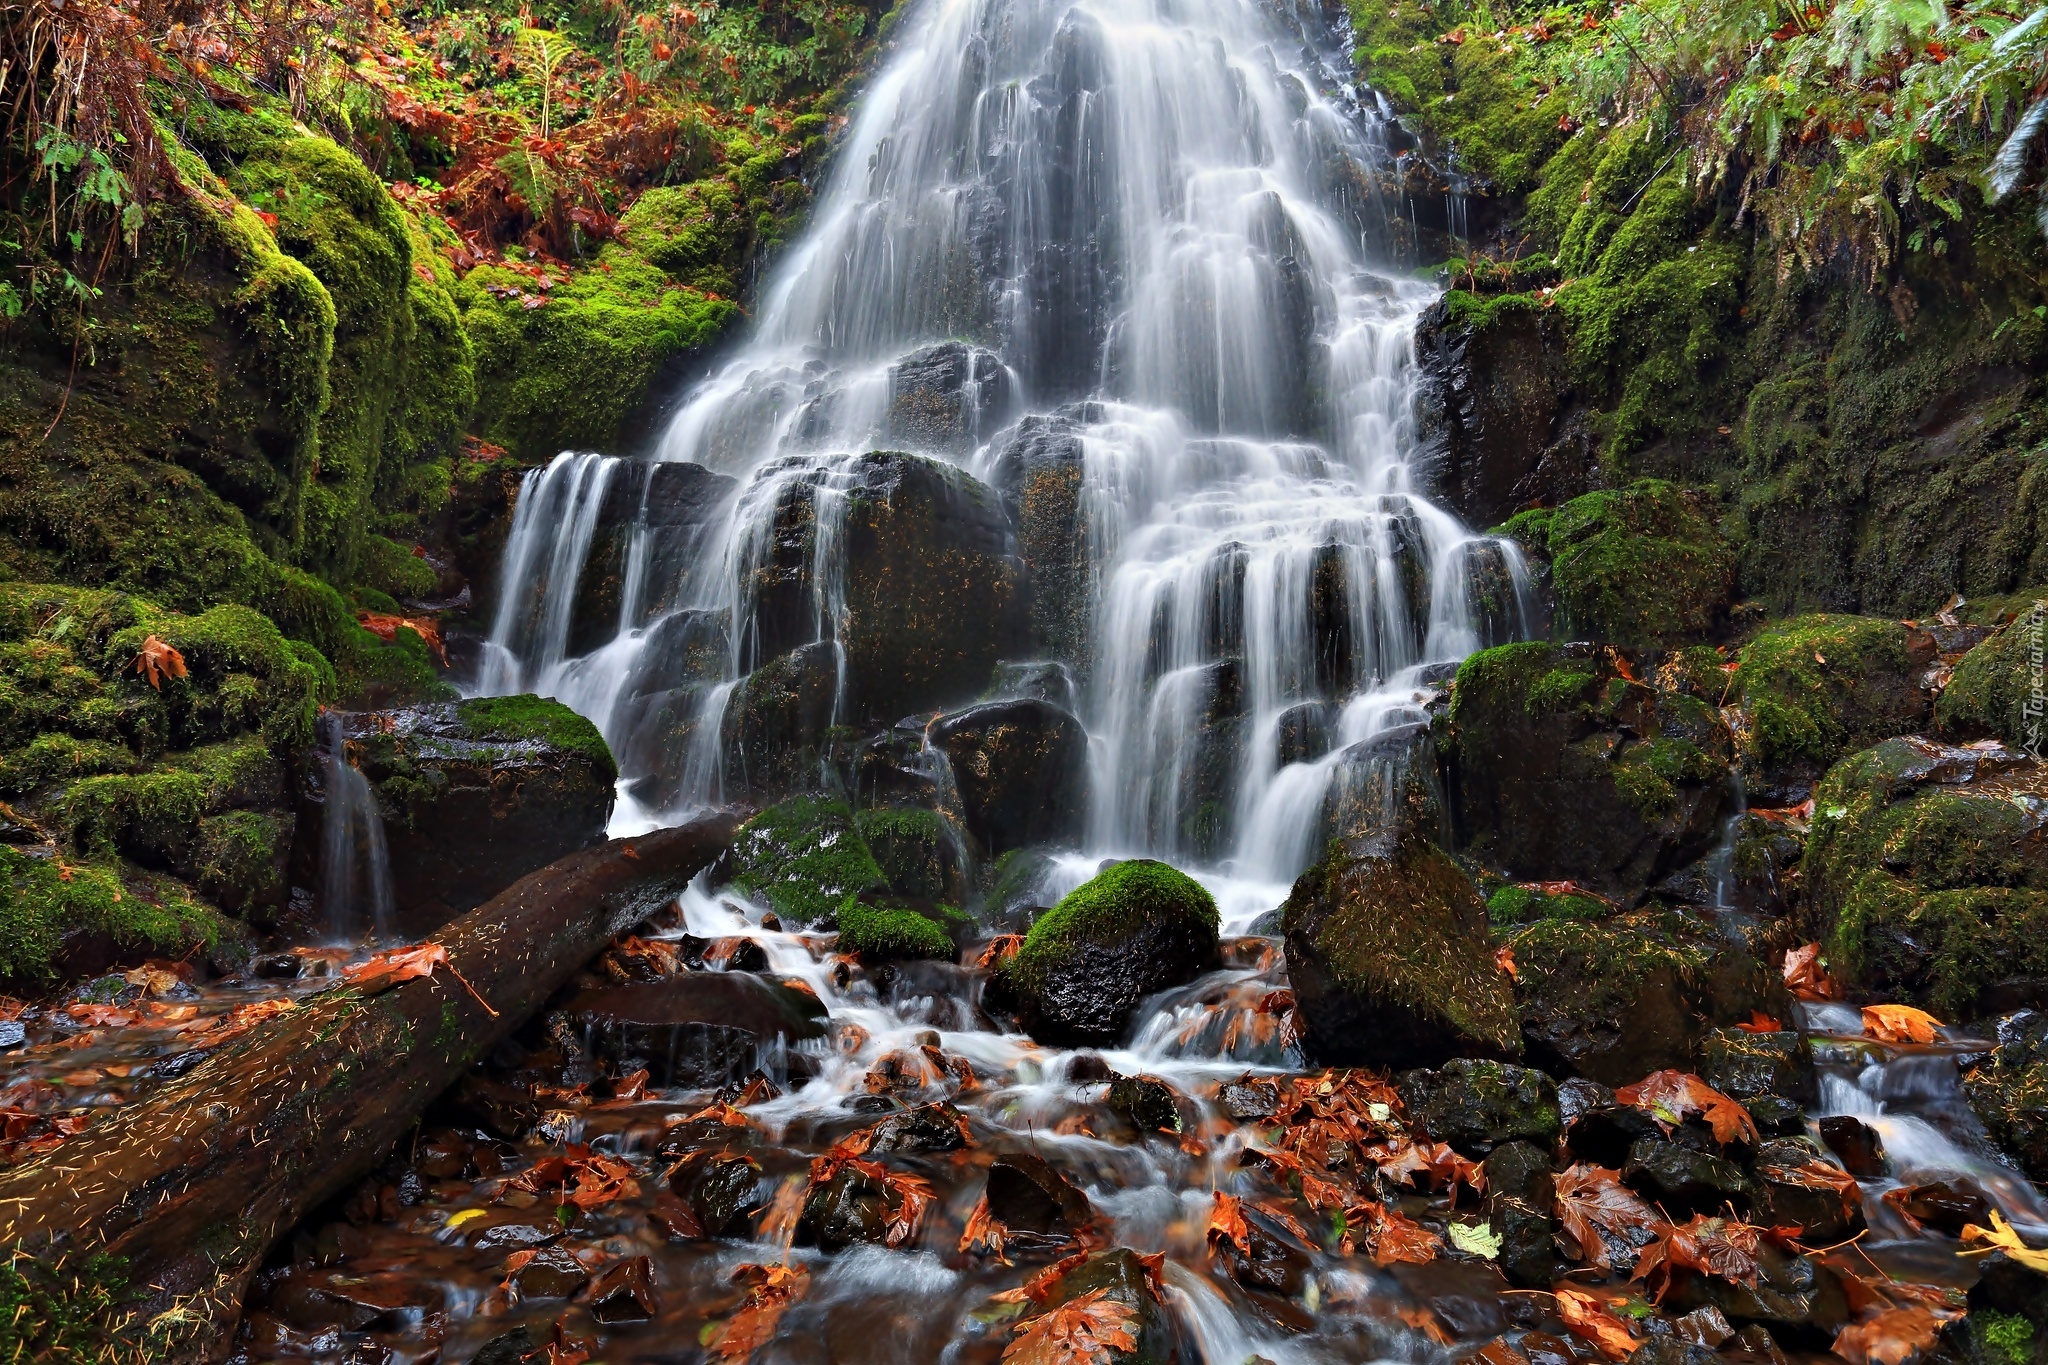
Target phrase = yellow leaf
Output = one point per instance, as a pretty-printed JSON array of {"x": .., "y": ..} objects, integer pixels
[
  {"x": 2002, "y": 1237},
  {"x": 456, "y": 1220}
]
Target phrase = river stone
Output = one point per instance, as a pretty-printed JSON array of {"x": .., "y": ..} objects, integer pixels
[
  {"x": 928, "y": 1128},
  {"x": 698, "y": 1030},
  {"x": 804, "y": 857},
  {"x": 1746, "y": 1065},
  {"x": 1021, "y": 771},
  {"x": 847, "y": 1210},
  {"x": 1520, "y": 1191},
  {"x": 1567, "y": 768},
  {"x": 1134, "y": 929},
  {"x": 1476, "y": 1105},
  {"x": 721, "y": 1188},
  {"x": 1028, "y": 1195},
  {"x": 553, "y": 1273},
  {"x": 1149, "y": 1103},
  {"x": 1790, "y": 1175},
  {"x": 1799, "y": 1299},
  {"x": 1388, "y": 957},
  {"x": 1927, "y": 871},
  {"x": 1684, "y": 1180},
  {"x": 1859, "y": 1145},
  {"x": 473, "y": 795},
  {"x": 947, "y": 398},
  {"x": 1121, "y": 1278}
]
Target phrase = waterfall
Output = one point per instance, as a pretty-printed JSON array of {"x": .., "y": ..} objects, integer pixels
[
  {"x": 355, "y": 867},
  {"x": 1153, "y": 235}
]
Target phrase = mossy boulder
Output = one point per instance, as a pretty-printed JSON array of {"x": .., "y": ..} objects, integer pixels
[
  {"x": 1388, "y": 957},
  {"x": 896, "y": 929},
  {"x": 696, "y": 232},
  {"x": 1927, "y": 875},
  {"x": 473, "y": 796},
  {"x": 1568, "y": 767},
  {"x": 1476, "y": 1105},
  {"x": 1021, "y": 771},
  {"x": 1612, "y": 1000},
  {"x": 1816, "y": 688},
  {"x": 2009, "y": 1091},
  {"x": 1134, "y": 929},
  {"x": 804, "y": 857},
  {"x": 1994, "y": 689},
  {"x": 916, "y": 851},
  {"x": 61, "y": 917},
  {"x": 1643, "y": 565}
]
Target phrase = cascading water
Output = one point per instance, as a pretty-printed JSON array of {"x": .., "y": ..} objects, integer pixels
[
  {"x": 355, "y": 887},
  {"x": 1157, "y": 230}
]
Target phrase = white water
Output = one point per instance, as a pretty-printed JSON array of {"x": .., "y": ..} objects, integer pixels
[
  {"x": 355, "y": 886},
  {"x": 1156, "y": 222}
]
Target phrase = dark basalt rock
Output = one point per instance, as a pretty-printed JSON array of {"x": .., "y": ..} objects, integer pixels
[
  {"x": 1387, "y": 788},
  {"x": 928, "y": 1128},
  {"x": 1039, "y": 471},
  {"x": 777, "y": 722},
  {"x": 1567, "y": 768},
  {"x": 1388, "y": 956},
  {"x": 1269, "y": 1263},
  {"x": 1150, "y": 1104},
  {"x": 700, "y": 1030},
  {"x": 624, "y": 1292},
  {"x": 1857, "y": 1144},
  {"x": 1021, "y": 769},
  {"x": 721, "y": 1189},
  {"x": 1799, "y": 1299},
  {"x": 845, "y": 1211},
  {"x": 1791, "y": 1192},
  {"x": 473, "y": 795},
  {"x": 678, "y": 504},
  {"x": 947, "y": 398},
  {"x": 1520, "y": 1192},
  {"x": 1028, "y": 1195},
  {"x": 1476, "y": 1106},
  {"x": 553, "y": 1273},
  {"x": 1746, "y": 1065},
  {"x": 1683, "y": 1180},
  {"x": 1049, "y": 682}
]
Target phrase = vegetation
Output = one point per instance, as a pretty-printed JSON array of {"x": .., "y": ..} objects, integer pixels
[
  {"x": 888, "y": 933},
  {"x": 805, "y": 858},
  {"x": 1639, "y": 566},
  {"x": 1109, "y": 907},
  {"x": 1818, "y": 687}
]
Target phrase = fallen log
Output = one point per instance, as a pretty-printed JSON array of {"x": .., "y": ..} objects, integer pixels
[{"x": 194, "y": 1184}]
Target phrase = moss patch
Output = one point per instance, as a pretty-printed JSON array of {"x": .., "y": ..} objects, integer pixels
[
  {"x": 912, "y": 847},
  {"x": 1993, "y": 685},
  {"x": 804, "y": 857},
  {"x": 1639, "y": 566},
  {"x": 883, "y": 933},
  {"x": 1110, "y": 906},
  {"x": 536, "y": 718},
  {"x": 1817, "y": 687},
  {"x": 43, "y": 899}
]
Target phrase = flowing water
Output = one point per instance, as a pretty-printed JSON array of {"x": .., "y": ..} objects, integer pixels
[
  {"x": 355, "y": 865},
  {"x": 1152, "y": 228}
]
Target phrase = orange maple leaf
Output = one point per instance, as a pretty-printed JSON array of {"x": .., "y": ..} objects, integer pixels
[
  {"x": 1082, "y": 1331},
  {"x": 771, "y": 1289},
  {"x": 1807, "y": 977},
  {"x": 157, "y": 660},
  {"x": 1759, "y": 1022},
  {"x": 1595, "y": 1322},
  {"x": 1672, "y": 1097},
  {"x": 1899, "y": 1024},
  {"x": 1226, "y": 1222},
  {"x": 984, "y": 1232}
]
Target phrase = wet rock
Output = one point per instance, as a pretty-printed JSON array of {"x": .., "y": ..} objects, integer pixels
[
  {"x": 1745, "y": 1065},
  {"x": 698, "y": 1030},
  {"x": 928, "y": 1128},
  {"x": 1683, "y": 1180},
  {"x": 1520, "y": 1193},
  {"x": 1475, "y": 1106},
  {"x": 1857, "y": 1144},
  {"x": 1775, "y": 1116},
  {"x": 624, "y": 1292},
  {"x": 1389, "y": 961},
  {"x": 1039, "y": 469},
  {"x": 919, "y": 856},
  {"x": 1946, "y": 1206},
  {"x": 804, "y": 857},
  {"x": 13, "y": 1033},
  {"x": 1800, "y": 1300},
  {"x": 1386, "y": 789},
  {"x": 1304, "y": 733},
  {"x": 1613, "y": 999},
  {"x": 1927, "y": 869},
  {"x": 1037, "y": 680},
  {"x": 1672, "y": 1350},
  {"x": 1249, "y": 1099},
  {"x": 1121, "y": 1278},
  {"x": 1134, "y": 929},
  {"x": 1566, "y": 767},
  {"x": 847, "y": 1210},
  {"x": 473, "y": 795},
  {"x": 776, "y": 731},
  {"x": 1021, "y": 771},
  {"x": 2007, "y": 1320},
  {"x": 679, "y": 504},
  {"x": 1028, "y": 1195},
  {"x": 1269, "y": 1263},
  {"x": 1604, "y": 1132},
  {"x": 948, "y": 398},
  {"x": 1757, "y": 872},
  {"x": 515, "y": 1347},
  {"x": 553, "y": 1273},
  {"x": 720, "y": 1188},
  {"x": 2009, "y": 1090},
  {"x": 1150, "y": 1104},
  {"x": 1988, "y": 694}
]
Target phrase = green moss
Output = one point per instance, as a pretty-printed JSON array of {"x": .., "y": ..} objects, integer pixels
[
  {"x": 1817, "y": 687},
  {"x": 391, "y": 568},
  {"x": 43, "y": 899},
  {"x": 1992, "y": 686},
  {"x": 886, "y": 934},
  {"x": 536, "y": 718},
  {"x": 2008, "y": 1338},
  {"x": 66, "y": 1310},
  {"x": 1599, "y": 967},
  {"x": 1512, "y": 905},
  {"x": 1106, "y": 909},
  {"x": 912, "y": 848},
  {"x": 1648, "y": 774},
  {"x": 697, "y": 232},
  {"x": 1639, "y": 566},
  {"x": 804, "y": 857}
]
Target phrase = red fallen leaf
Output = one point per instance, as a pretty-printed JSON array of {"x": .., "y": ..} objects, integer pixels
[
  {"x": 386, "y": 627},
  {"x": 377, "y": 974},
  {"x": 1724, "y": 1248},
  {"x": 1226, "y": 1222},
  {"x": 1759, "y": 1022},
  {"x": 1899, "y": 1024},
  {"x": 1594, "y": 1207},
  {"x": 1000, "y": 949},
  {"x": 984, "y": 1233},
  {"x": 1082, "y": 1331},
  {"x": 1039, "y": 1287},
  {"x": 1405, "y": 1160},
  {"x": 1807, "y": 977},
  {"x": 1672, "y": 1097},
  {"x": 1813, "y": 1173},
  {"x": 631, "y": 1087},
  {"x": 1593, "y": 1321},
  {"x": 102, "y": 1016},
  {"x": 157, "y": 660},
  {"x": 1285, "y": 1219},
  {"x": 1386, "y": 1235},
  {"x": 909, "y": 1198},
  {"x": 771, "y": 1289},
  {"x": 1896, "y": 1336},
  {"x": 1504, "y": 958},
  {"x": 676, "y": 1218}
]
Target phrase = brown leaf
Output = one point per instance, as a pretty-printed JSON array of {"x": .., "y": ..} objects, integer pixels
[
  {"x": 1226, "y": 1222},
  {"x": 379, "y": 973},
  {"x": 1592, "y": 1201},
  {"x": 157, "y": 660},
  {"x": 1896, "y": 1336},
  {"x": 1806, "y": 976},
  {"x": 1759, "y": 1022},
  {"x": 1594, "y": 1321},
  {"x": 1672, "y": 1097},
  {"x": 1387, "y": 1236},
  {"x": 984, "y": 1233},
  {"x": 771, "y": 1289},
  {"x": 1899, "y": 1024},
  {"x": 1724, "y": 1248},
  {"x": 1082, "y": 1331},
  {"x": 909, "y": 1196}
]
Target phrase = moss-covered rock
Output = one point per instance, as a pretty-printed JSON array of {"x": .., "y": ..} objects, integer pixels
[
  {"x": 1927, "y": 875},
  {"x": 1135, "y": 928},
  {"x": 1815, "y": 688},
  {"x": 1614, "y": 999},
  {"x": 1388, "y": 958},
  {"x": 1643, "y": 565},
  {"x": 894, "y": 929},
  {"x": 54, "y": 906},
  {"x": 2009, "y": 1091},
  {"x": 915, "y": 850},
  {"x": 1568, "y": 767},
  {"x": 1994, "y": 690},
  {"x": 804, "y": 857}
]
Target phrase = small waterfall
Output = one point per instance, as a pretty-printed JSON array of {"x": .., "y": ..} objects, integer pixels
[
  {"x": 1721, "y": 862},
  {"x": 355, "y": 867},
  {"x": 1156, "y": 237}
]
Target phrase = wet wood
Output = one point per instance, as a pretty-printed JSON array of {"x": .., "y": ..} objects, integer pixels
[{"x": 194, "y": 1184}]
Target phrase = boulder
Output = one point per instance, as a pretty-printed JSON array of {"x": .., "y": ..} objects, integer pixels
[
  {"x": 929, "y": 593},
  {"x": 1039, "y": 469},
  {"x": 918, "y": 854},
  {"x": 1020, "y": 769},
  {"x": 1684, "y": 1180},
  {"x": 948, "y": 398},
  {"x": 1121, "y": 1278},
  {"x": 1798, "y": 1187},
  {"x": 1027, "y": 1195},
  {"x": 1136, "y": 928},
  {"x": 1754, "y": 869},
  {"x": 699, "y": 1030},
  {"x": 1476, "y": 1105},
  {"x": 1036, "y": 680},
  {"x": 673, "y": 508},
  {"x": 776, "y": 732},
  {"x": 1613, "y": 999},
  {"x": 659, "y": 709},
  {"x": 848, "y": 1209},
  {"x": 473, "y": 795},
  {"x": 1859, "y": 1145},
  {"x": 2009, "y": 1091},
  {"x": 1495, "y": 376},
  {"x": 1815, "y": 689},
  {"x": 1642, "y": 565},
  {"x": 1386, "y": 787},
  {"x": 804, "y": 857},
  {"x": 1745, "y": 1065},
  {"x": 1520, "y": 1193},
  {"x": 1989, "y": 693},
  {"x": 880, "y": 928},
  {"x": 1568, "y": 767},
  {"x": 1927, "y": 874},
  {"x": 1389, "y": 961}
]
